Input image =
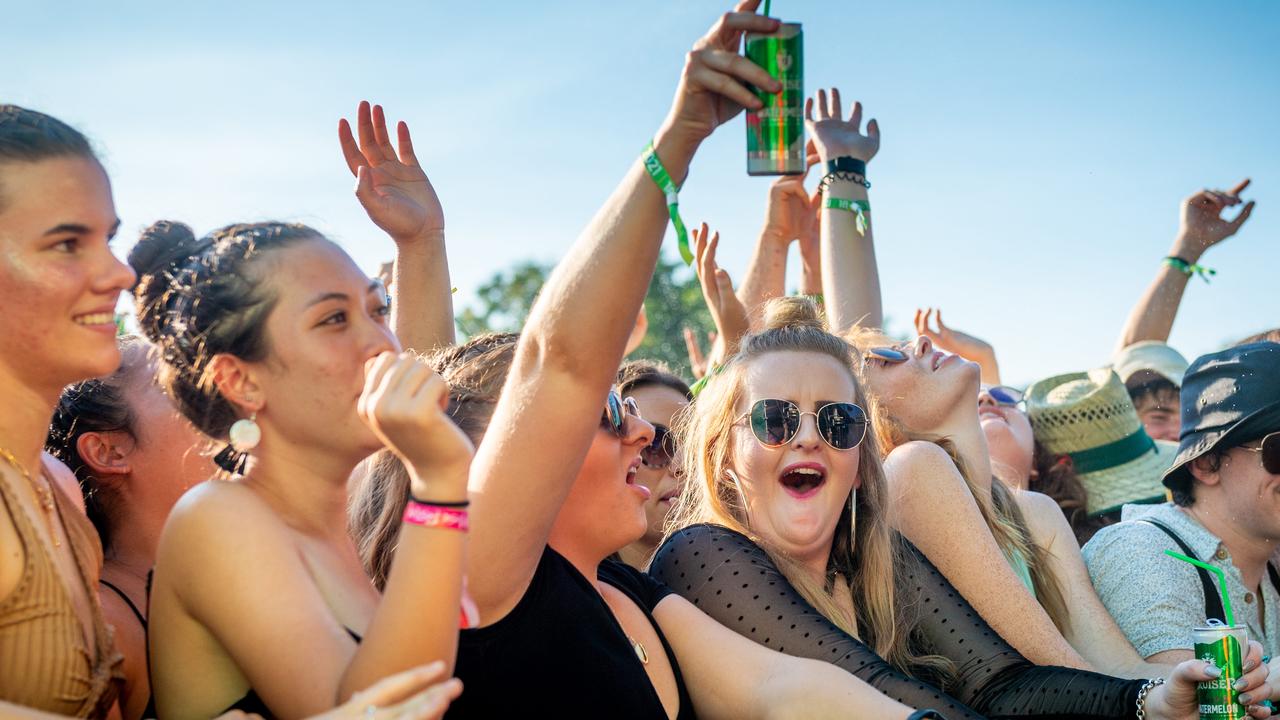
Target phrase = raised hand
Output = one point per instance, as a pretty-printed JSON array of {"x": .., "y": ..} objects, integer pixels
[
  {"x": 393, "y": 188},
  {"x": 713, "y": 85},
  {"x": 404, "y": 403},
  {"x": 717, "y": 289},
  {"x": 788, "y": 211},
  {"x": 638, "y": 332},
  {"x": 1202, "y": 223},
  {"x": 835, "y": 137}
]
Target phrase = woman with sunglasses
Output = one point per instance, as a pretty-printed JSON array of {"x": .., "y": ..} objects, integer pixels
[
  {"x": 786, "y": 538},
  {"x": 660, "y": 396}
]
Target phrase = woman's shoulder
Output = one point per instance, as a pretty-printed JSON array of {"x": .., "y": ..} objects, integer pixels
[
  {"x": 919, "y": 455},
  {"x": 707, "y": 544},
  {"x": 219, "y": 519}
]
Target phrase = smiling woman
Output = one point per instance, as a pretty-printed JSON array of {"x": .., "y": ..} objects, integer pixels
[{"x": 59, "y": 284}]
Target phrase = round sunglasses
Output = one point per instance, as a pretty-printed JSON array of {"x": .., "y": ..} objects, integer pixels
[
  {"x": 1270, "y": 452},
  {"x": 659, "y": 453},
  {"x": 776, "y": 422}
]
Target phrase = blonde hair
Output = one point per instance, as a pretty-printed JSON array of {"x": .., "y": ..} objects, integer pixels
[
  {"x": 999, "y": 509},
  {"x": 863, "y": 553}
]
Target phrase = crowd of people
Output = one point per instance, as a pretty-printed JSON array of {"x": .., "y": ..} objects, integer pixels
[{"x": 287, "y": 496}]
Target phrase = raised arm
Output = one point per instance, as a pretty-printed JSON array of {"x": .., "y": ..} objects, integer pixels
[
  {"x": 1202, "y": 226},
  {"x": 727, "y": 310},
  {"x": 788, "y": 216},
  {"x": 572, "y": 344},
  {"x": 395, "y": 192},
  {"x": 850, "y": 278}
]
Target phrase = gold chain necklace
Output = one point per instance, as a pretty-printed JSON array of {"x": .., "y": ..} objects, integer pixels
[{"x": 45, "y": 493}]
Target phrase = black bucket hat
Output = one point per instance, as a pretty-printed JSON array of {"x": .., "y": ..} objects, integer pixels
[{"x": 1228, "y": 398}]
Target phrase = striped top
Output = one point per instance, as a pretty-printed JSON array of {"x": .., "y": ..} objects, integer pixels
[{"x": 45, "y": 662}]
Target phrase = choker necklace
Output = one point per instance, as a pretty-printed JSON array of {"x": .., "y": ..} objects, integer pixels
[
  {"x": 44, "y": 492},
  {"x": 639, "y": 650}
]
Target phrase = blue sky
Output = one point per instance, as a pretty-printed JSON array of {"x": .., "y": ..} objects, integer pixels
[{"x": 1034, "y": 153}]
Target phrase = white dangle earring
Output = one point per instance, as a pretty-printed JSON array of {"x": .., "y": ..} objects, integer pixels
[
  {"x": 245, "y": 434},
  {"x": 741, "y": 495}
]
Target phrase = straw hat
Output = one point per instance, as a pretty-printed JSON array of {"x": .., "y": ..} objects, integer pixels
[
  {"x": 1153, "y": 356},
  {"x": 1089, "y": 418}
]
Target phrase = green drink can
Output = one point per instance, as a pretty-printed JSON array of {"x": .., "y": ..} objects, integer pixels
[
  {"x": 775, "y": 132},
  {"x": 1224, "y": 646}
]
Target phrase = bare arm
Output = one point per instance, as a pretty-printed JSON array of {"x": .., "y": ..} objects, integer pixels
[
  {"x": 1093, "y": 632},
  {"x": 730, "y": 676},
  {"x": 572, "y": 344},
  {"x": 1201, "y": 228},
  {"x": 395, "y": 192},
  {"x": 788, "y": 216},
  {"x": 926, "y": 486},
  {"x": 850, "y": 277}
]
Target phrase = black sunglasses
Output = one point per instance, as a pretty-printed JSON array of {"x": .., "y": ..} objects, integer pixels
[
  {"x": 1270, "y": 451},
  {"x": 659, "y": 453},
  {"x": 775, "y": 423},
  {"x": 616, "y": 410}
]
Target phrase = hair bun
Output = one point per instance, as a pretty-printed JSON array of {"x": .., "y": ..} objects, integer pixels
[
  {"x": 793, "y": 312},
  {"x": 163, "y": 244}
]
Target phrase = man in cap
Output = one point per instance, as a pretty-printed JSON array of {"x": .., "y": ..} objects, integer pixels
[{"x": 1225, "y": 483}]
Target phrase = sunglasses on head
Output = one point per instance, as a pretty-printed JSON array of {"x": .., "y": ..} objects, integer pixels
[
  {"x": 616, "y": 410},
  {"x": 886, "y": 354},
  {"x": 1004, "y": 395},
  {"x": 775, "y": 423},
  {"x": 1270, "y": 452},
  {"x": 659, "y": 453}
]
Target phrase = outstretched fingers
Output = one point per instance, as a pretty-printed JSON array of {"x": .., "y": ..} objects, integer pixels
[
  {"x": 350, "y": 151},
  {"x": 407, "y": 156},
  {"x": 380, "y": 135}
]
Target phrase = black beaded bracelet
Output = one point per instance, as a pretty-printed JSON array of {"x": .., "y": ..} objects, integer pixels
[
  {"x": 841, "y": 175},
  {"x": 454, "y": 504}
]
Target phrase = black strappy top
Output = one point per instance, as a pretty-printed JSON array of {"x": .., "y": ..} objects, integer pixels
[{"x": 150, "y": 710}]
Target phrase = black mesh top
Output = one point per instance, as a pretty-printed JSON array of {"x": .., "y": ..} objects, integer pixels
[{"x": 732, "y": 579}]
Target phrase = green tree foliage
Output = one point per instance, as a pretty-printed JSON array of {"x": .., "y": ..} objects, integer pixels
[{"x": 674, "y": 301}]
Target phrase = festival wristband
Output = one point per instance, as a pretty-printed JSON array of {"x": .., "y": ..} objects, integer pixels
[
  {"x": 432, "y": 516},
  {"x": 846, "y": 164},
  {"x": 668, "y": 188},
  {"x": 437, "y": 503},
  {"x": 1189, "y": 269},
  {"x": 857, "y": 207}
]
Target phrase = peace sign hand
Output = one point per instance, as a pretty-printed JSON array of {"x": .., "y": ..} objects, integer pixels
[{"x": 393, "y": 188}]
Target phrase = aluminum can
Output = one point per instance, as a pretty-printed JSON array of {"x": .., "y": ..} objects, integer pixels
[
  {"x": 1224, "y": 646},
  {"x": 775, "y": 132}
]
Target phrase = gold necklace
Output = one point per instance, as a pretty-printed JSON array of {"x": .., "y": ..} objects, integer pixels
[
  {"x": 45, "y": 493},
  {"x": 639, "y": 649}
]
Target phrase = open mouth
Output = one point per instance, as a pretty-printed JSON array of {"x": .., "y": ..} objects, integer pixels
[
  {"x": 804, "y": 479},
  {"x": 631, "y": 471},
  {"x": 990, "y": 413}
]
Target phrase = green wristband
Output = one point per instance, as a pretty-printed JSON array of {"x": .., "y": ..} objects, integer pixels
[
  {"x": 858, "y": 207},
  {"x": 668, "y": 188},
  {"x": 1190, "y": 269}
]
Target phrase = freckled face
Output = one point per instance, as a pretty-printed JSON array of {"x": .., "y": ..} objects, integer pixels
[
  {"x": 922, "y": 392},
  {"x": 59, "y": 281}
]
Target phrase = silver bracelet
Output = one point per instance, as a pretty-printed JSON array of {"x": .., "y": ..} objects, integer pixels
[{"x": 1142, "y": 696}]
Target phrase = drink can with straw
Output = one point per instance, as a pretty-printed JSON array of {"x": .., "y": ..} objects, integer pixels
[
  {"x": 775, "y": 132},
  {"x": 1225, "y": 647}
]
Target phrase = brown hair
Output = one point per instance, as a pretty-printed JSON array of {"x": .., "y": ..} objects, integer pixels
[
  {"x": 864, "y": 554},
  {"x": 475, "y": 372},
  {"x": 31, "y": 136},
  {"x": 648, "y": 373},
  {"x": 999, "y": 511},
  {"x": 201, "y": 298}
]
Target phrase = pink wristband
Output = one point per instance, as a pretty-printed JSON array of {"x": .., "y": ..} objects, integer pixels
[{"x": 416, "y": 513}]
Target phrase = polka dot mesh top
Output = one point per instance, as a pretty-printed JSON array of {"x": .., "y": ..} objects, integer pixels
[{"x": 732, "y": 579}]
